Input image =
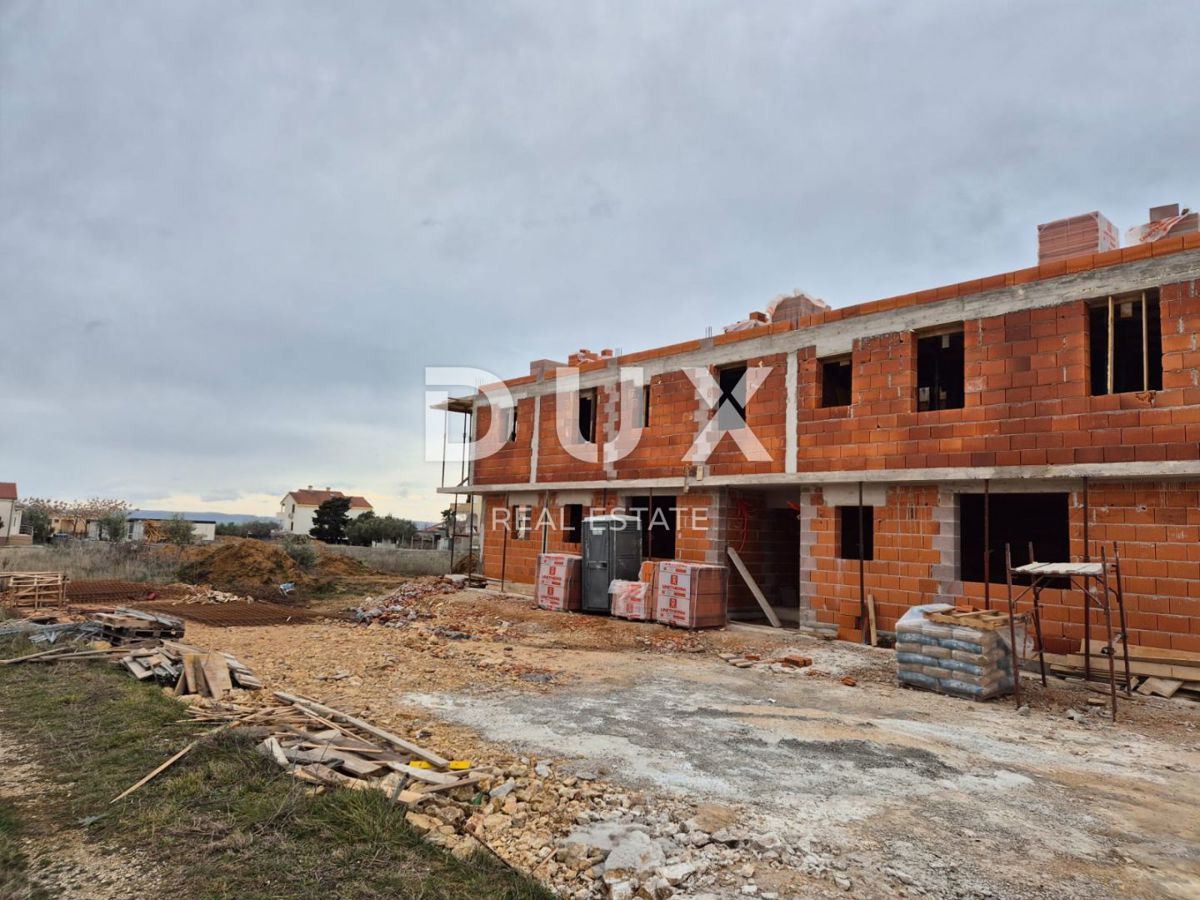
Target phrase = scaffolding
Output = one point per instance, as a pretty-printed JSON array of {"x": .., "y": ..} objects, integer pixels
[{"x": 1099, "y": 583}]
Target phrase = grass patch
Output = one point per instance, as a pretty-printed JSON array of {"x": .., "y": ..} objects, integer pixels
[
  {"x": 14, "y": 881},
  {"x": 224, "y": 822}
]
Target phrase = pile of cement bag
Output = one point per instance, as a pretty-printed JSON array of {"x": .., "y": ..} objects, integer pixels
[{"x": 952, "y": 659}]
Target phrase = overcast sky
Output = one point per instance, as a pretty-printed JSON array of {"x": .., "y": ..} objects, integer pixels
[{"x": 233, "y": 234}]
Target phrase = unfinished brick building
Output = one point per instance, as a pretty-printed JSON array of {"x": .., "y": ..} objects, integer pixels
[{"x": 1067, "y": 393}]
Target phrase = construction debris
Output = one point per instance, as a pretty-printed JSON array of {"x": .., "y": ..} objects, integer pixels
[
  {"x": 785, "y": 662},
  {"x": 190, "y": 669},
  {"x": 410, "y": 601},
  {"x": 1152, "y": 670}
]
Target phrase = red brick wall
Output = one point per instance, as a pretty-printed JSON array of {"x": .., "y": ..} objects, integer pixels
[
  {"x": 554, "y": 462},
  {"x": 768, "y": 541},
  {"x": 660, "y": 452},
  {"x": 1156, "y": 527},
  {"x": 1027, "y": 403},
  {"x": 509, "y": 465},
  {"x": 899, "y": 576},
  {"x": 766, "y": 415},
  {"x": 1028, "y": 399}
]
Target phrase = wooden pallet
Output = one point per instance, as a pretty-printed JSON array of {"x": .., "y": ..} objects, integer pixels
[
  {"x": 33, "y": 590},
  {"x": 984, "y": 619}
]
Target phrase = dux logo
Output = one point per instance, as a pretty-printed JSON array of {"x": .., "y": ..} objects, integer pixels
[
  {"x": 728, "y": 418},
  {"x": 576, "y": 415}
]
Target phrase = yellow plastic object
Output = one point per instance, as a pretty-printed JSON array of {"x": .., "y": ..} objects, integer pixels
[
  {"x": 420, "y": 764},
  {"x": 459, "y": 764}
]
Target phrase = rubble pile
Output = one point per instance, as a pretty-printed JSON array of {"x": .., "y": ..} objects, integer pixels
[
  {"x": 412, "y": 600},
  {"x": 202, "y": 593}
]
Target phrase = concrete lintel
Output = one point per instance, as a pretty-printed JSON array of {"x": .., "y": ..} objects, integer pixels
[{"x": 1147, "y": 471}]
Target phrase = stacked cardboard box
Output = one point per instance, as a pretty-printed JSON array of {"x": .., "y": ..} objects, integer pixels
[
  {"x": 558, "y": 581},
  {"x": 1076, "y": 236},
  {"x": 962, "y": 660},
  {"x": 690, "y": 595},
  {"x": 631, "y": 600}
]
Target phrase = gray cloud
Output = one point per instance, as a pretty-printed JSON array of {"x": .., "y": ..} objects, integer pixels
[{"x": 232, "y": 235}]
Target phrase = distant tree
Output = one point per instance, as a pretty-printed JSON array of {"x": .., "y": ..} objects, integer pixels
[
  {"x": 254, "y": 529},
  {"x": 258, "y": 529},
  {"x": 178, "y": 531},
  {"x": 37, "y": 519},
  {"x": 330, "y": 520},
  {"x": 369, "y": 529},
  {"x": 113, "y": 525}
]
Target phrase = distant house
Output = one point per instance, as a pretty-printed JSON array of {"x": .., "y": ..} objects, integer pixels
[
  {"x": 10, "y": 514},
  {"x": 150, "y": 529},
  {"x": 297, "y": 508},
  {"x": 431, "y": 536}
]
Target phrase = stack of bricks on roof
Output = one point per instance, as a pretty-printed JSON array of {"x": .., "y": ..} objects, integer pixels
[{"x": 1068, "y": 391}]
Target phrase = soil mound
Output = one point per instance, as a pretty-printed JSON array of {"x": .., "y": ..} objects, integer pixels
[
  {"x": 242, "y": 562},
  {"x": 333, "y": 563}
]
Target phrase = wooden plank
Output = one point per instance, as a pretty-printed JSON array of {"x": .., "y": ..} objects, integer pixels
[
  {"x": 1136, "y": 667},
  {"x": 1147, "y": 654},
  {"x": 871, "y": 619},
  {"x": 754, "y": 589},
  {"x": 427, "y": 775},
  {"x": 1164, "y": 687},
  {"x": 216, "y": 674},
  {"x": 416, "y": 750},
  {"x": 438, "y": 788},
  {"x": 170, "y": 762}
]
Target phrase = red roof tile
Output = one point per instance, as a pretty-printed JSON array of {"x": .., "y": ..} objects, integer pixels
[{"x": 8, "y": 490}]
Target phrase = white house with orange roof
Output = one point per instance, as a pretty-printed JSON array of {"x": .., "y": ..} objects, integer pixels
[{"x": 297, "y": 508}]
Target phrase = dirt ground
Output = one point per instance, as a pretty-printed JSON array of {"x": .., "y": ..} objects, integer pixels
[{"x": 759, "y": 782}]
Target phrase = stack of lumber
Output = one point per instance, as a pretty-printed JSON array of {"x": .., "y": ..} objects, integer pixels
[
  {"x": 190, "y": 669},
  {"x": 559, "y": 585},
  {"x": 325, "y": 746},
  {"x": 1076, "y": 236},
  {"x": 125, "y": 626},
  {"x": 690, "y": 595},
  {"x": 1152, "y": 670}
]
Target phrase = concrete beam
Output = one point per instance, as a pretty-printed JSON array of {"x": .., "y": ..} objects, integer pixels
[{"x": 1141, "y": 471}]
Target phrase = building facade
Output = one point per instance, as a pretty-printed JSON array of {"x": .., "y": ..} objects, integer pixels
[{"x": 907, "y": 443}]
